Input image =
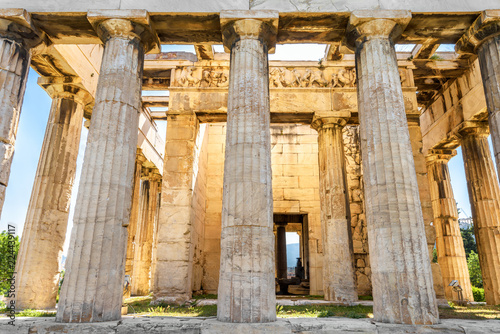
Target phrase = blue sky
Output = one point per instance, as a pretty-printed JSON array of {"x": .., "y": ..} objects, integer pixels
[{"x": 34, "y": 115}]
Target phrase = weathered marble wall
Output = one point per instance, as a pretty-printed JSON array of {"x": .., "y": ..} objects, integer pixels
[
  {"x": 213, "y": 206},
  {"x": 198, "y": 205},
  {"x": 294, "y": 158},
  {"x": 354, "y": 171},
  {"x": 180, "y": 231}
]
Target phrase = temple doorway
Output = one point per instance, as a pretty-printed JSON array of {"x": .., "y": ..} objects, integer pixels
[{"x": 291, "y": 254}]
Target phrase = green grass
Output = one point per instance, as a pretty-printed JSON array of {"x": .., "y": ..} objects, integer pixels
[
  {"x": 35, "y": 313},
  {"x": 28, "y": 313},
  {"x": 208, "y": 296},
  {"x": 480, "y": 312},
  {"x": 141, "y": 306},
  {"x": 323, "y": 311}
]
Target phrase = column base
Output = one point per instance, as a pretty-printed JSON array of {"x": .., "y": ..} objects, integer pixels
[{"x": 209, "y": 326}]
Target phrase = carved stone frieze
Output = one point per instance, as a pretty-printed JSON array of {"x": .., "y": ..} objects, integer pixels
[
  {"x": 279, "y": 77},
  {"x": 193, "y": 76}
]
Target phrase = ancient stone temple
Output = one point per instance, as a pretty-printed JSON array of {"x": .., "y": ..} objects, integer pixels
[{"x": 350, "y": 152}]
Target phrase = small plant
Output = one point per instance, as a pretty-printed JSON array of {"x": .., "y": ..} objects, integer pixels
[
  {"x": 279, "y": 309},
  {"x": 452, "y": 305},
  {"x": 159, "y": 309},
  {"x": 435, "y": 57}
]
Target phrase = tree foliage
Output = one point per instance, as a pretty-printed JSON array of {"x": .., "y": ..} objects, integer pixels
[
  {"x": 9, "y": 247},
  {"x": 476, "y": 278},
  {"x": 469, "y": 241}
]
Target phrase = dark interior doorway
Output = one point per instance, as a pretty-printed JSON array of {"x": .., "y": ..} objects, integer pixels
[{"x": 292, "y": 274}]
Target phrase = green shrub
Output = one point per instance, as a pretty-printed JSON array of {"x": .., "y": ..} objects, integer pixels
[{"x": 478, "y": 294}]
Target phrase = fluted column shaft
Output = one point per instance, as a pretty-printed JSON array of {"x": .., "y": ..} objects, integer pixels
[
  {"x": 15, "y": 43},
  {"x": 144, "y": 240},
  {"x": 246, "y": 284},
  {"x": 489, "y": 62},
  {"x": 44, "y": 231},
  {"x": 401, "y": 272},
  {"x": 339, "y": 280},
  {"x": 484, "y": 195},
  {"x": 449, "y": 242},
  {"x": 482, "y": 38},
  {"x": 134, "y": 220},
  {"x": 93, "y": 286}
]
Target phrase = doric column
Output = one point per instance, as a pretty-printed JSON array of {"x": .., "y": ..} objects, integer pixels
[
  {"x": 17, "y": 37},
  {"x": 449, "y": 242},
  {"x": 426, "y": 203},
  {"x": 93, "y": 286},
  {"x": 401, "y": 272},
  {"x": 144, "y": 235},
  {"x": 483, "y": 38},
  {"x": 137, "y": 194},
  {"x": 246, "y": 281},
  {"x": 339, "y": 280},
  {"x": 175, "y": 254},
  {"x": 44, "y": 231},
  {"x": 281, "y": 251},
  {"x": 484, "y": 196}
]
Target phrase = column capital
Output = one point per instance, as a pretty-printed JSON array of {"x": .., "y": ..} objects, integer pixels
[
  {"x": 140, "y": 158},
  {"x": 470, "y": 128},
  {"x": 131, "y": 24},
  {"x": 369, "y": 24},
  {"x": 16, "y": 24},
  {"x": 486, "y": 26},
  {"x": 151, "y": 173},
  {"x": 249, "y": 24},
  {"x": 439, "y": 155},
  {"x": 66, "y": 87},
  {"x": 319, "y": 123}
]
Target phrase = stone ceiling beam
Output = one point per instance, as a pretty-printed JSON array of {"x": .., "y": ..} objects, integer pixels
[
  {"x": 155, "y": 101},
  {"x": 199, "y": 27},
  {"x": 426, "y": 50},
  {"x": 302, "y": 6}
]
